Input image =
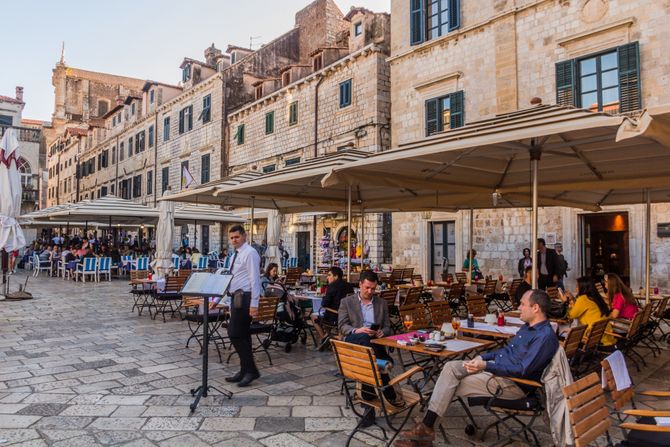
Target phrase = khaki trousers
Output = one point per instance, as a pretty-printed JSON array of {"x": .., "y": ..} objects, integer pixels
[{"x": 454, "y": 380}]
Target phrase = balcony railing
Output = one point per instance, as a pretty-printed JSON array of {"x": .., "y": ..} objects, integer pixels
[
  {"x": 26, "y": 134},
  {"x": 29, "y": 195}
]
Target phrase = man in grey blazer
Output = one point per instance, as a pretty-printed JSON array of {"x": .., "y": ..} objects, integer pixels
[{"x": 363, "y": 317}]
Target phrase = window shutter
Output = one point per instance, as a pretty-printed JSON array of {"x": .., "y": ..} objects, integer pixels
[
  {"x": 629, "y": 77},
  {"x": 416, "y": 22},
  {"x": 342, "y": 93},
  {"x": 190, "y": 117},
  {"x": 181, "y": 121},
  {"x": 565, "y": 83},
  {"x": 454, "y": 14},
  {"x": 432, "y": 116},
  {"x": 456, "y": 110}
]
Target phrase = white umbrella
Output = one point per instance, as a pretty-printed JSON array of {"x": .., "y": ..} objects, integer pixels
[
  {"x": 164, "y": 237},
  {"x": 11, "y": 236},
  {"x": 272, "y": 253}
]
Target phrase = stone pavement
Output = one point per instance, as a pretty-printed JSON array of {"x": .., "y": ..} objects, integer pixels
[{"x": 77, "y": 368}]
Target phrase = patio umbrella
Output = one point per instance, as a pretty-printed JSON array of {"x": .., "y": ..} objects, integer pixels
[
  {"x": 272, "y": 253},
  {"x": 164, "y": 237},
  {"x": 11, "y": 236}
]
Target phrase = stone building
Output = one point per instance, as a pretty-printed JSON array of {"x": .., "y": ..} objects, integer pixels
[
  {"x": 457, "y": 62},
  {"x": 31, "y": 161}
]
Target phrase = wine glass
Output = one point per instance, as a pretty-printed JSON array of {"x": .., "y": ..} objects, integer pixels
[
  {"x": 408, "y": 322},
  {"x": 456, "y": 324}
]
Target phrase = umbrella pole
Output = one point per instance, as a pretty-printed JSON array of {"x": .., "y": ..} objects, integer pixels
[
  {"x": 535, "y": 160},
  {"x": 348, "y": 249},
  {"x": 195, "y": 234},
  {"x": 313, "y": 245},
  {"x": 251, "y": 232},
  {"x": 362, "y": 238},
  {"x": 470, "y": 238},
  {"x": 647, "y": 251}
]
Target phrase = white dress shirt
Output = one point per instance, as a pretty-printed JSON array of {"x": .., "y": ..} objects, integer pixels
[{"x": 246, "y": 272}]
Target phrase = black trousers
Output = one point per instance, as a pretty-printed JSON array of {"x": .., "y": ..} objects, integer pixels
[
  {"x": 239, "y": 332},
  {"x": 545, "y": 281}
]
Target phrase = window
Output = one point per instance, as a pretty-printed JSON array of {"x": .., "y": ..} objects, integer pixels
[
  {"x": 430, "y": 19},
  {"x": 345, "y": 93},
  {"x": 268, "y": 168},
  {"x": 5, "y": 120},
  {"x": 292, "y": 161},
  {"x": 105, "y": 158},
  {"x": 286, "y": 78},
  {"x": 137, "y": 186},
  {"x": 99, "y": 161},
  {"x": 166, "y": 128},
  {"x": 25, "y": 172},
  {"x": 206, "y": 109},
  {"x": 150, "y": 182},
  {"x": 130, "y": 147},
  {"x": 112, "y": 188},
  {"x": 269, "y": 122},
  {"x": 139, "y": 142},
  {"x": 182, "y": 171},
  {"x": 165, "y": 179},
  {"x": 151, "y": 136},
  {"x": 358, "y": 28},
  {"x": 239, "y": 135},
  {"x": 259, "y": 91},
  {"x": 445, "y": 112},
  {"x": 132, "y": 109},
  {"x": 103, "y": 191},
  {"x": 118, "y": 118},
  {"x": 186, "y": 73},
  {"x": 317, "y": 62},
  {"x": 122, "y": 152},
  {"x": 293, "y": 113},
  {"x": 114, "y": 121},
  {"x": 204, "y": 169},
  {"x": 114, "y": 155},
  {"x": 185, "y": 119},
  {"x": 604, "y": 82},
  {"x": 103, "y": 107},
  {"x": 151, "y": 97}
]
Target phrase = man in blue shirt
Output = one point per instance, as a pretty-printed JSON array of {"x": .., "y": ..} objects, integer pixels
[{"x": 525, "y": 356}]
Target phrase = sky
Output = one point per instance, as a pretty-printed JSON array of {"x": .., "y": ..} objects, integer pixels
[{"x": 145, "y": 39}]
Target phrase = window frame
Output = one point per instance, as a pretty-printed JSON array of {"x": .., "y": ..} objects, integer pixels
[
  {"x": 205, "y": 173},
  {"x": 239, "y": 134},
  {"x": 293, "y": 113},
  {"x": 269, "y": 122},
  {"x": 206, "y": 108},
  {"x": 346, "y": 96},
  {"x": 598, "y": 74},
  {"x": 166, "y": 128}
]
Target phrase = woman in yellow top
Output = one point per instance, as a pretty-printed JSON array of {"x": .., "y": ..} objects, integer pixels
[{"x": 589, "y": 307}]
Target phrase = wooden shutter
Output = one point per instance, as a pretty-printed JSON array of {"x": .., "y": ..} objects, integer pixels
[
  {"x": 456, "y": 110},
  {"x": 190, "y": 117},
  {"x": 416, "y": 22},
  {"x": 181, "y": 121},
  {"x": 565, "y": 83},
  {"x": 432, "y": 115},
  {"x": 629, "y": 77},
  {"x": 454, "y": 14}
]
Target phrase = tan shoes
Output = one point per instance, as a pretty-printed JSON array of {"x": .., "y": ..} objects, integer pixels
[{"x": 419, "y": 436}]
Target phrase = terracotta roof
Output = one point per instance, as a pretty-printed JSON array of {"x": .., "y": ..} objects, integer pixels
[
  {"x": 12, "y": 100},
  {"x": 31, "y": 122}
]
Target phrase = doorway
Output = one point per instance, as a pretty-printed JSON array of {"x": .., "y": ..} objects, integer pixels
[
  {"x": 303, "y": 249},
  {"x": 442, "y": 248},
  {"x": 205, "y": 239},
  {"x": 604, "y": 242}
]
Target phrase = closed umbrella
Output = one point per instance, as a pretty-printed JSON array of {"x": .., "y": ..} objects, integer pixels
[
  {"x": 164, "y": 237},
  {"x": 11, "y": 236},
  {"x": 272, "y": 253}
]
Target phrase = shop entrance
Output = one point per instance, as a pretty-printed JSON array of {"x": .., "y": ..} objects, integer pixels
[{"x": 604, "y": 242}]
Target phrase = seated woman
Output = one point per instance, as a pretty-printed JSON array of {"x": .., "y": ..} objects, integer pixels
[
  {"x": 337, "y": 289},
  {"x": 588, "y": 307},
  {"x": 624, "y": 304},
  {"x": 476, "y": 273},
  {"x": 270, "y": 276}
]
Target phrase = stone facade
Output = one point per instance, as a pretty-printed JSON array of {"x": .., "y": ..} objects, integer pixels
[{"x": 501, "y": 56}]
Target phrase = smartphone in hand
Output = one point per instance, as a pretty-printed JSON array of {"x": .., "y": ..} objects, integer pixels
[{"x": 374, "y": 327}]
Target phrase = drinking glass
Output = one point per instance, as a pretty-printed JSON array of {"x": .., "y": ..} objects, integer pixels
[
  {"x": 408, "y": 322},
  {"x": 456, "y": 324}
]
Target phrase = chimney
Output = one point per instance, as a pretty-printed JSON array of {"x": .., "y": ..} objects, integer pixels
[{"x": 19, "y": 93}]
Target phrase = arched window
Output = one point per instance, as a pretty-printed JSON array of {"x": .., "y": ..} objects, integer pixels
[
  {"x": 25, "y": 171},
  {"x": 103, "y": 107}
]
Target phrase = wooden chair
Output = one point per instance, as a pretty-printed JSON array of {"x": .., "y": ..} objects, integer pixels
[
  {"x": 292, "y": 277},
  {"x": 659, "y": 316},
  {"x": 413, "y": 296},
  {"x": 461, "y": 277},
  {"x": 396, "y": 277},
  {"x": 589, "y": 417},
  {"x": 626, "y": 342},
  {"x": 447, "y": 277},
  {"x": 553, "y": 293},
  {"x": 417, "y": 281},
  {"x": 169, "y": 296},
  {"x": 476, "y": 304},
  {"x": 439, "y": 312},
  {"x": 589, "y": 353},
  {"x": 138, "y": 291},
  {"x": 184, "y": 273},
  {"x": 456, "y": 297},
  {"x": 571, "y": 344},
  {"x": 511, "y": 292},
  {"x": 417, "y": 313},
  {"x": 263, "y": 325},
  {"x": 390, "y": 296},
  {"x": 408, "y": 274},
  {"x": 358, "y": 367}
]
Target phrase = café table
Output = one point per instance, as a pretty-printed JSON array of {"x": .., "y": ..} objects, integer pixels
[{"x": 453, "y": 348}]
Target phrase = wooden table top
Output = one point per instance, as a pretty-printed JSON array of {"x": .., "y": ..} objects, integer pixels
[{"x": 420, "y": 349}]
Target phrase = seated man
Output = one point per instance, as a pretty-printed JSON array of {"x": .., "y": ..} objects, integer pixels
[
  {"x": 337, "y": 289},
  {"x": 362, "y": 317},
  {"x": 525, "y": 356}
]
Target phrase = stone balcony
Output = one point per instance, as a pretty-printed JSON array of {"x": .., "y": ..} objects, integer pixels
[{"x": 26, "y": 134}]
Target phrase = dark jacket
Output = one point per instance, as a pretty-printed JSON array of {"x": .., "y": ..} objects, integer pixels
[
  {"x": 552, "y": 262},
  {"x": 335, "y": 291},
  {"x": 351, "y": 316},
  {"x": 523, "y": 288}
]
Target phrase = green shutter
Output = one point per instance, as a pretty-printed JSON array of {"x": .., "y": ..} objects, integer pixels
[
  {"x": 454, "y": 14},
  {"x": 432, "y": 115},
  {"x": 239, "y": 136},
  {"x": 629, "y": 77},
  {"x": 269, "y": 122},
  {"x": 416, "y": 22},
  {"x": 456, "y": 110},
  {"x": 565, "y": 83}
]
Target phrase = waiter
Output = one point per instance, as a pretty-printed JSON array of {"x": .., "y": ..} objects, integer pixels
[{"x": 245, "y": 290}]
